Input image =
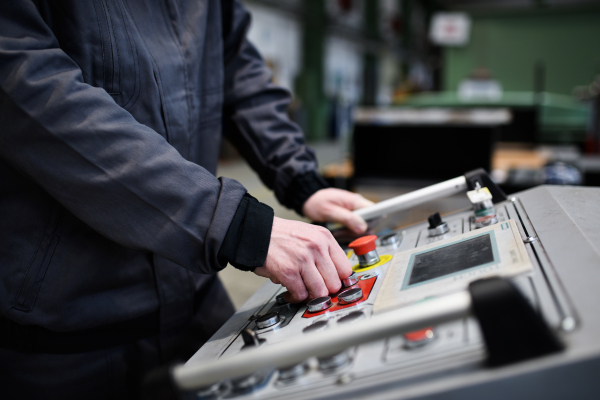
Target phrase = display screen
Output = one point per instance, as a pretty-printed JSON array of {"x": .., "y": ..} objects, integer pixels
[{"x": 450, "y": 259}]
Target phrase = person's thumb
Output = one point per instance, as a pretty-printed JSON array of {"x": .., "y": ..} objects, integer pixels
[
  {"x": 360, "y": 202},
  {"x": 347, "y": 218}
]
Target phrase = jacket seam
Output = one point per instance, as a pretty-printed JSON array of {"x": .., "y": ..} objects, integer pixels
[
  {"x": 186, "y": 82},
  {"x": 136, "y": 82},
  {"x": 59, "y": 221},
  {"x": 114, "y": 36},
  {"x": 157, "y": 78},
  {"x": 101, "y": 45},
  {"x": 46, "y": 227}
]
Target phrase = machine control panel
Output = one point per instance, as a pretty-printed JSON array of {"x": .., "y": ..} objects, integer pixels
[{"x": 382, "y": 264}]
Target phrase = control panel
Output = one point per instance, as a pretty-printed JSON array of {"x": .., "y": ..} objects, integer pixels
[{"x": 446, "y": 357}]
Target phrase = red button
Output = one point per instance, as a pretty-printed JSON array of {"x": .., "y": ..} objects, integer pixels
[
  {"x": 418, "y": 336},
  {"x": 363, "y": 245}
]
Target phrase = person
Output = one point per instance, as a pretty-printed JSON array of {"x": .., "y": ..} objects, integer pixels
[{"x": 113, "y": 223}]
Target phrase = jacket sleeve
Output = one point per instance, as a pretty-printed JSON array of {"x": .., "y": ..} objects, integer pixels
[
  {"x": 256, "y": 119},
  {"x": 120, "y": 177}
]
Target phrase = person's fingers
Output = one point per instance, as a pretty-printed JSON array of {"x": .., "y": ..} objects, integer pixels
[
  {"x": 314, "y": 282},
  {"x": 341, "y": 262},
  {"x": 297, "y": 288},
  {"x": 329, "y": 272},
  {"x": 360, "y": 202},
  {"x": 347, "y": 218}
]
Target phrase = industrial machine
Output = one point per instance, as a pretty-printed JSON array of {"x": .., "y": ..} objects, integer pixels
[{"x": 416, "y": 319}]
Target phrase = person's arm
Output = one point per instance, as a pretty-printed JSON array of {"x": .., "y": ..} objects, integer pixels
[
  {"x": 304, "y": 258},
  {"x": 256, "y": 120},
  {"x": 120, "y": 177}
]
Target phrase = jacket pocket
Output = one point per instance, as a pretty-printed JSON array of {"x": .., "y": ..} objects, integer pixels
[{"x": 34, "y": 276}]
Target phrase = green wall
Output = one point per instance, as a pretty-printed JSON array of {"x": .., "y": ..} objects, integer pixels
[{"x": 510, "y": 45}]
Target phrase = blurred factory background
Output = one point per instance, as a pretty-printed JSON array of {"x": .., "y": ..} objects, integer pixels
[{"x": 398, "y": 94}]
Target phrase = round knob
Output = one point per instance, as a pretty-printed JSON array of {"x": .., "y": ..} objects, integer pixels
[
  {"x": 319, "y": 304},
  {"x": 291, "y": 373},
  {"x": 350, "y": 281},
  {"x": 251, "y": 339},
  {"x": 363, "y": 245},
  {"x": 350, "y": 296},
  {"x": 267, "y": 320},
  {"x": 280, "y": 299},
  {"x": 333, "y": 362},
  {"x": 390, "y": 239},
  {"x": 437, "y": 227}
]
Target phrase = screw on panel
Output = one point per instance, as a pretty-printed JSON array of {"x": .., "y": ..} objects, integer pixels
[
  {"x": 568, "y": 324},
  {"x": 530, "y": 239},
  {"x": 344, "y": 379}
]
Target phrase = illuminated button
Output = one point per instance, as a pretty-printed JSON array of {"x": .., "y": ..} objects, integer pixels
[
  {"x": 364, "y": 248},
  {"x": 350, "y": 281},
  {"x": 267, "y": 320},
  {"x": 482, "y": 222},
  {"x": 350, "y": 296},
  {"x": 319, "y": 304},
  {"x": 353, "y": 316},
  {"x": 317, "y": 326},
  {"x": 419, "y": 338}
]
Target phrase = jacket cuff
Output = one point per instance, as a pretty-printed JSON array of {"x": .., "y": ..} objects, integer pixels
[
  {"x": 302, "y": 187},
  {"x": 247, "y": 240}
]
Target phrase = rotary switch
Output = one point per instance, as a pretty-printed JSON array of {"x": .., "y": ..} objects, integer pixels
[
  {"x": 251, "y": 339},
  {"x": 437, "y": 227},
  {"x": 364, "y": 248}
]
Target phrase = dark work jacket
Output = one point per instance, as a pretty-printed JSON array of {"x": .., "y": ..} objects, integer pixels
[{"x": 111, "y": 118}]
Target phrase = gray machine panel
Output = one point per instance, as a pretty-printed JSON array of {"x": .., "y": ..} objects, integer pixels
[{"x": 564, "y": 287}]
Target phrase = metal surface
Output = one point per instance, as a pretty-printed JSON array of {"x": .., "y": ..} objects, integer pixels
[
  {"x": 408, "y": 200},
  {"x": 438, "y": 230},
  {"x": 563, "y": 287},
  {"x": 368, "y": 259},
  {"x": 324, "y": 343},
  {"x": 391, "y": 239}
]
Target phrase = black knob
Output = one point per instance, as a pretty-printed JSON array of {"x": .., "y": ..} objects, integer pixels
[
  {"x": 251, "y": 339},
  {"x": 435, "y": 220}
]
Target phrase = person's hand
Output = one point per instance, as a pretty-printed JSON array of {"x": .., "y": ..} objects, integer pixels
[
  {"x": 336, "y": 205},
  {"x": 305, "y": 259}
]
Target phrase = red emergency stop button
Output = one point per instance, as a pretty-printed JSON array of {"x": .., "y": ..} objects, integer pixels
[{"x": 363, "y": 245}]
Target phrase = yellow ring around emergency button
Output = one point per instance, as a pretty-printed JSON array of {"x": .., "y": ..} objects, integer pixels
[
  {"x": 382, "y": 260},
  {"x": 350, "y": 254}
]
